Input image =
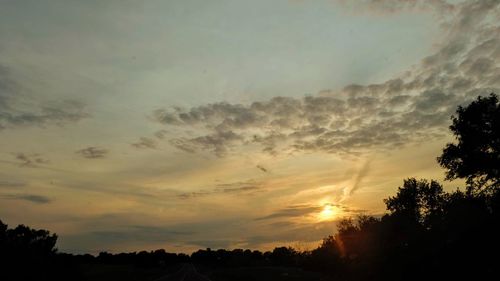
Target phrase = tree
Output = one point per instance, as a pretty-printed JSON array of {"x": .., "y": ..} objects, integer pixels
[
  {"x": 418, "y": 201},
  {"x": 27, "y": 254},
  {"x": 476, "y": 155}
]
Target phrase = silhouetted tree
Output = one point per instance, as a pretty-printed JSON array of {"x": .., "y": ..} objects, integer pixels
[
  {"x": 26, "y": 253},
  {"x": 418, "y": 201},
  {"x": 284, "y": 256},
  {"x": 476, "y": 155}
]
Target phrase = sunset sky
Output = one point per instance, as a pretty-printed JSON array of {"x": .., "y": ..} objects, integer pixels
[{"x": 138, "y": 125}]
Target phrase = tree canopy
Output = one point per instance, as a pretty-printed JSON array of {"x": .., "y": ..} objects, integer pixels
[{"x": 476, "y": 155}]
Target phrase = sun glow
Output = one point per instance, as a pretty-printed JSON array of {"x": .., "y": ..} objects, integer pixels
[{"x": 329, "y": 212}]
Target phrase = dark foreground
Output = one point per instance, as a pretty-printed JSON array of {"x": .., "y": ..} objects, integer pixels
[{"x": 190, "y": 272}]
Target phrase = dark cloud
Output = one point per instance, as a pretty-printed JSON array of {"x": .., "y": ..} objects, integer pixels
[
  {"x": 145, "y": 142},
  {"x": 60, "y": 114},
  {"x": 213, "y": 244},
  {"x": 244, "y": 186},
  {"x": 293, "y": 211},
  {"x": 260, "y": 167},
  {"x": 218, "y": 142},
  {"x": 93, "y": 152},
  {"x": 38, "y": 199},
  {"x": 65, "y": 112},
  {"x": 33, "y": 160},
  {"x": 412, "y": 108},
  {"x": 161, "y": 134}
]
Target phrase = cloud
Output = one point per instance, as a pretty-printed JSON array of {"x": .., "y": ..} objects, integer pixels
[
  {"x": 359, "y": 177},
  {"x": 214, "y": 244},
  {"x": 63, "y": 113},
  {"x": 313, "y": 123},
  {"x": 217, "y": 142},
  {"x": 393, "y": 6},
  {"x": 33, "y": 160},
  {"x": 293, "y": 211},
  {"x": 119, "y": 231},
  {"x": 140, "y": 233},
  {"x": 15, "y": 111},
  {"x": 236, "y": 187},
  {"x": 161, "y": 134},
  {"x": 410, "y": 108},
  {"x": 93, "y": 152},
  {"x": 12, "y": 184},
  {"x": 38, "y": 199},
  {"x": 243, "y": 187},
  {"x": 118, "y": 237},
  {"x": 292, "y": 234},
  {"x": 305, "y": 210},
  {"x": 260, "y": 167},
  {"x": 145, "y": 142}
]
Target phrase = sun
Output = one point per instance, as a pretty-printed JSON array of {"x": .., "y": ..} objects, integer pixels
[{"x": 329, "y": 212}]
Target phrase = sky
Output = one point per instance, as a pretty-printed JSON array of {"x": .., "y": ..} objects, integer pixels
[{"x": 183, "y": 124}]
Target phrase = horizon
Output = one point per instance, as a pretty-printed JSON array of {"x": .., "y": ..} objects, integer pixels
[{"x": 187, "y": 125}]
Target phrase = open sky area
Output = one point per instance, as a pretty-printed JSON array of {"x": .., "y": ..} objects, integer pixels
[{"x": 186, "y": 124}]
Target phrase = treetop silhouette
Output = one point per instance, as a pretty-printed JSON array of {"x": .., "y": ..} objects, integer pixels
[{"x": 476, "y": 155}]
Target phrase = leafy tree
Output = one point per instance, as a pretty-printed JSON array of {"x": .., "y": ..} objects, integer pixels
[
  {"x": 418, "y": 201},
  {"x": 24, "y": 240},
  {"x": 27, "y": 253},
  {"x": 285, "y": 256},
  {"x": 476, "y": 155},
  {"x": 327, "y": 257}
]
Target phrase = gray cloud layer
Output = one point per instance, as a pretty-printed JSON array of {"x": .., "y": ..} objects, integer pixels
[
  {"x": 19, "y": 109},
  {"x": 414, "y": 107}
]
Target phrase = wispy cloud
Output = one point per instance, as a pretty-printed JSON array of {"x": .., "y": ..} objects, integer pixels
[
  {"x": 93, "y": 152},
  {"x": 306, "y": 210},
  {"x": 14, "y": 113},
  {"x": 393, "y": 6},
  {"x": 244, "y": 187},
  {"x": 145, "y": 142},
  {"x": 293, "y": 211},
  {"x": 32, "y": 160},
  {"x": 362, "y": 173},
  {"x": 12, "y": 184},
  {"x": 38, "y": 199}
]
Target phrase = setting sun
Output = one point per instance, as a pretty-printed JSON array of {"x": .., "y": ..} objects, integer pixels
[{"x": 329, "y": 212}]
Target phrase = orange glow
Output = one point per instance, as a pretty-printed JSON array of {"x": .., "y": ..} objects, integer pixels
[{"x": 329, "y": 212}]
